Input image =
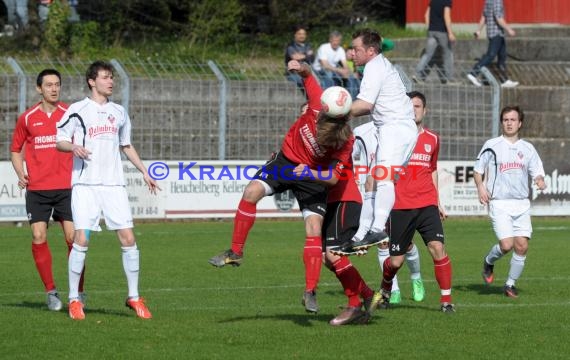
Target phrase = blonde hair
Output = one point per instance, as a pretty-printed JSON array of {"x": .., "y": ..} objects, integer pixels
[{"x": 331, "y": 132}]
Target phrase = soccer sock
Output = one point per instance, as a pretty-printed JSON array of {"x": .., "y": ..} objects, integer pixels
[
  {"x": 383, "y": 203},
  {"x": 494, "y": 254},
  {"x": 244, "y": 219},
  {"x": 517, "y": 267},
  {"x": 383, "y": 254},
  {"x": 131, "y": 265},
  {"x": 82, "y": 278},
  {"x": 42, "y": 258},
  {"x": 76, "y": 263},
  {"x": 388, "y": 274},
  {"x": 366, "y": 215},
  {"x": 351, "y": 281},
  {"x": 442, "y": 269},
  {"x": 312, "y": 258},
  {"x": 413, "y": 261}
]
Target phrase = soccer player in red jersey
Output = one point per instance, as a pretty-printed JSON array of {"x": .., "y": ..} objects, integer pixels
[
  {"x": 46, "y": 176},
  {"x": 417, "y": 208},
  {"x": 314, "y": 140}
]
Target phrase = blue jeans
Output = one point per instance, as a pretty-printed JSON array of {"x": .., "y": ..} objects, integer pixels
[
  {"x": 437, "y": 39},
  {"x": 328, "y": 79},
  {"x": 497, "y": 47}
]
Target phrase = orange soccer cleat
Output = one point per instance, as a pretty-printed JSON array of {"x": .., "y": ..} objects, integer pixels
[
  {"x": 139, "y": 307},
  {"x": 76, "y": 310}
]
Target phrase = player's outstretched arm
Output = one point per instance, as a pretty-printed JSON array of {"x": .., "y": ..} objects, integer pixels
[{"x": 134, "y": 158}]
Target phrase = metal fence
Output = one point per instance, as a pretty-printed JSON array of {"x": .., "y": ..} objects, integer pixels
[{"x": 205, "y": 111}]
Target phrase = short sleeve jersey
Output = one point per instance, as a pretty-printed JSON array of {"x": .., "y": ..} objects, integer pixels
[
  {"x": 35, "y": 132},
  {"x": 507, "y": 167},
  {"x": 436, "y": 11},
  {"x": 415, "y": 188},
  {"x": 101, "y": 129},
  {"x": 382, "y": 86}
]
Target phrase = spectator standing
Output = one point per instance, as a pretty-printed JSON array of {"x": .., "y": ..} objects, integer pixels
[
  {"x": 440, "y": 35},
  {"x": 494, "y": 18}
]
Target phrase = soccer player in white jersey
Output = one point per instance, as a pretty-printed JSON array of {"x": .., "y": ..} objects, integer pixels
[
  {"x": 364, "y": 153},
  {"x": 501, "y": 174},
  {"x": 383, "y": 95},
  {"x": 94, "y": 130}
]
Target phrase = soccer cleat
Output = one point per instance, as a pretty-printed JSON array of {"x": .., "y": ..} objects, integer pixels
[
  {"x": 474, "y": 80},
  {"x": 350, "y": 314},
  {"x": 511, "y": 291},
  {"x": 309, "y": 301},
  {"x": 227, "y": 257},
  {"x": 76, "y": 310},
  {"x": 346, "y": 249},
  {"x": 139, "y": 307},
  {"x": 395, "y": 297},
  {"x": 418, "y": 291},
  {"x": 447, "y": 308},
  {"x": 370, "y": 239},
  {"x": 53, "y": 301},
  {"x": 487, "y": 272}
]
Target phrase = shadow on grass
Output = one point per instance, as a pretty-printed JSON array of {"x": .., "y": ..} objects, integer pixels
[
  {"x": 480, "y": 289},
  {"x": 42, "y": 306}
]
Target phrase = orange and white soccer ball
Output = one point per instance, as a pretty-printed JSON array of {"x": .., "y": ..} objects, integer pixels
[{"x": 336, "y": 101}]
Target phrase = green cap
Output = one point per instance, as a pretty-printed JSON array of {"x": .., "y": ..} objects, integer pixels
[{"x": 387, "y": 45}]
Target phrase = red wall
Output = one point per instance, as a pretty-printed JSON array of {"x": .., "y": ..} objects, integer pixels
[{"x": 517, "y": 11}]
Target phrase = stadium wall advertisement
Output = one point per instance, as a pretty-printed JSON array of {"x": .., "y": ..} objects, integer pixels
[{"x": 213, "y": 189}]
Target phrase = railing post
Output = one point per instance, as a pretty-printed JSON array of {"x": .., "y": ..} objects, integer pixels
[
  {"x": 126, "y": 88},
  {"x": 223, "y": 106},
  {"x": 22, "y": 96},
  {"x": 496, "y": 100}
]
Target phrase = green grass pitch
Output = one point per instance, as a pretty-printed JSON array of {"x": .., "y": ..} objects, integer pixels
[{"x": 254, "y": 311}]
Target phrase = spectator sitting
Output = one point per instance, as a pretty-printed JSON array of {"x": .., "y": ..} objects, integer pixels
[
  {"x": 299, "y": 49},
  {"x": 331, "y": 65}
]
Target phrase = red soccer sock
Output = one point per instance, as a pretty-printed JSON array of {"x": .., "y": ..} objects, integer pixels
[
  {"x": 388, "y": 275},
  {"x": 351, "y": 281},
  {"x": 313, "y": 260},
  {"x": 42, "y": 258},
  {"x": 442, "y": 269},
  {"x": 244, "y": 219},
  {"x": 82, "y": 278}
]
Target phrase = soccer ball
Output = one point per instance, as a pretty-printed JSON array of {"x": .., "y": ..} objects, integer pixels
[{"x": 336, "y": 101}]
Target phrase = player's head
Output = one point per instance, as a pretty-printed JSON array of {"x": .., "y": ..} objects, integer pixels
[
  {"x": 48, "y": 85},
  {"x": 99, "y": 76},
  {"x": 332, "y": 132},
  {"x": 512, "y": 118},
  {"x": 366, "y": 44},
  {"x": 419, "y": 104}
]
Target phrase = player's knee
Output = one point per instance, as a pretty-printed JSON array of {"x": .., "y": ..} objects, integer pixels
[
  {"x": 253, "y": 192},
  {"x": 396, "y": 262}
]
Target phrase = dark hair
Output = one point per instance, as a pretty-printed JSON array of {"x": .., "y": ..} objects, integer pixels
[
  {"x": 94, "y": 68},
  {"x": 510, "y": 108},
  {"x": 419, "y": 95},
  {"x": 300, "y": 27},
  {"x": 370, "y": 38},
  {"x": 45, "y": 72}
]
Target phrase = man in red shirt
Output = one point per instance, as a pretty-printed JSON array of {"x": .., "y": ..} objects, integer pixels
[
  {"x": 314, "y": 140},
  {"x": 46, "y": 175},
  {"x": 417, "y": 208}
]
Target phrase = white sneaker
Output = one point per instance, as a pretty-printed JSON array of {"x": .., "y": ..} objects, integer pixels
[
  {"x": 510, "y": 84},
  {"x": 474, "y": 80}
]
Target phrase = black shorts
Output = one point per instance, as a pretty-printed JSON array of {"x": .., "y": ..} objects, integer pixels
[
  {"x": 278, "y": 173},
  {"x": 341, "y": 222},
  {"x": 43, "y": 204},
  {"x": 404, "y": 223}
]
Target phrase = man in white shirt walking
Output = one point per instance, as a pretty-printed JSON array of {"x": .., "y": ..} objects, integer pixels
[
  {"x": 501, "y": 174},
  {"x": 94, "y": 129}
]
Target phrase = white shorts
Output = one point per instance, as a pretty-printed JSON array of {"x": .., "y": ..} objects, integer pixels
[
  {"x": 397, "y": 140},
  {"x": 89, "y": 202},
  {"x": 510, "y": 218}
]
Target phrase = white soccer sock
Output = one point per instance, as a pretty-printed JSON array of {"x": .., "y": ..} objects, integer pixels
[
  {"x": 383, "y": 254},
  {"x": 413, "y": 261},
  {"x": 494, "y": 254},
  {"x": 76, "y": 262},
  {"x": 517, "y": 267},
  {"x": 383, "y": 203},
  {"x": 366, "y": 215},
  {"x": 131, "y": 267}
]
